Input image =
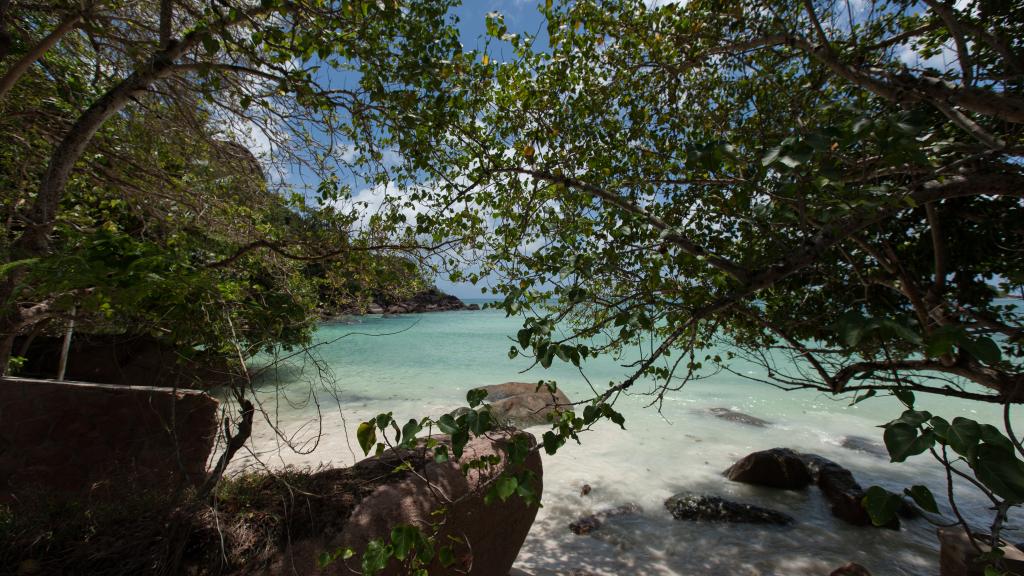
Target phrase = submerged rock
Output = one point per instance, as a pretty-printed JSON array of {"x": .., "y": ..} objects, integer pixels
[
  {"x": 738, "y": 417},
  {"x": 841, "y": 490},
  {"x": 862, "y": 444},
  {"x": 776, "y": 468},
  {"x": 790, "y": 470},
  {"x": 850, "y": 569},
  {"x": 522, "y": 404},
  {"x": 686, "y": 506},
  {"x": 588, "y": 524}
]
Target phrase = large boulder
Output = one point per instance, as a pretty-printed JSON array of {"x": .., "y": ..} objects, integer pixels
[
  {"x": 776, "y": 468},
  {"x": 687, "y": 506},
  {"x": 485, "y": 537},
  {"x": 523, "y": 404}
]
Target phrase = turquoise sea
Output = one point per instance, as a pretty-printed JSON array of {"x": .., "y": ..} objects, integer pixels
[{"x": 418, "y": 365}]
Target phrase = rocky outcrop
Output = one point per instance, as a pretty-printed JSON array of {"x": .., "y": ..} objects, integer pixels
[
  {"x": 686, "y": 506},
  {"x": 523, "y": 404},
  {"x": 485, "y": 538},
  {"x": 432, "y": 300},
  {"x": 591, "y": 522},
  {"x": 738, "y": 417},
  {"x": 791, "y": 470},
  {"x": 127, "y": 359},
  {"x": 62, "y": 439},
  {"x": 850, "y": 569},
  {"x": 776, "y": 468}
]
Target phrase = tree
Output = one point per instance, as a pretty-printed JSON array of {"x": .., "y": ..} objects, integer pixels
[
  {"x": 111, "y": 73},
  {"x": 835, "y": 182}
]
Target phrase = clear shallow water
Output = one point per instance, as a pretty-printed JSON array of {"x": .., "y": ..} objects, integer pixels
[{"x": 423, "y": 365}]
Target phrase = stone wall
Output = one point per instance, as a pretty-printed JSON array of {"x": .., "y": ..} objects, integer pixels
[{"x": 74, "y": 437}]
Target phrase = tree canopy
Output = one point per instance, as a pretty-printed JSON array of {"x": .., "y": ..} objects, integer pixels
[
  {"x": 831, "y": 189},
  {"x": 178, "y": 168}
]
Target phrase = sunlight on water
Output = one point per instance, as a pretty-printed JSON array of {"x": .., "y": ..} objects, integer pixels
[{"x": 428, "y": 362}]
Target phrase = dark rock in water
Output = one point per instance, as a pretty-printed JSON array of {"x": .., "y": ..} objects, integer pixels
[
  {"x": 473, "y": 307},
  {"x": 841, "y": 490},
  {"x": 738, "y": 417},
  {"x": 522, "y": 404},
  {"x": 862, "y": 444},
  {"x": 850, "y": 569},
  {"x": 430, "y": 300},
  {"x": 588, "y": 524},
  {"x": 585, "y": 490},
  {"x": 686, "y": 506},
  {"x": 776, "y": 468}
]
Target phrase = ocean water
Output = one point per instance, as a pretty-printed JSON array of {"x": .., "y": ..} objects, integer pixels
[{"x": 420, "y": 365}]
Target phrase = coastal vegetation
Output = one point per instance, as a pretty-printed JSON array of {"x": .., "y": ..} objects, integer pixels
[{"x": 829, "y": 190}]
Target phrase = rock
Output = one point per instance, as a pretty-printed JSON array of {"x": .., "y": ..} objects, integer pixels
[
  {"x": 862, "y": 444},
  {"x": 77, "y": 441},
  {"x": 958, "y": 557},
  {"x": 585, "y": 490},
  {"x": 473, "y": 307},
  {"x": 522, "y": 405},
  {"x": 850, "y": 569},
  {"x": 738, "y": 417},
  {"x": 430, "y": 300},
  {"x": 776, "y": 468},
  {"x": 841, "y": 490},
  {"x": 687, "y": 506},
  {"x": 486, "y": 538},
  {"x": 588, "y": 524}
]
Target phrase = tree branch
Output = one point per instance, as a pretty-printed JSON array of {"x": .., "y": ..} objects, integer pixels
[{"x": 11, "y": 77}]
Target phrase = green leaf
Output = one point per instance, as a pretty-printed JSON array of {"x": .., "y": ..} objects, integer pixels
[
  {"x": 506, "y": 486},
  {"x": 552, "y": 442},
  {"x": 404, "y": 540},
  {"x": 913, "y": 418},
  {"x": 1000, "y": 471},
  {"x": 992, "y": 435},
  {"x": 447, "y": 424},
  {"x": 902, "y": 441},
  {"x": 366, "y": 434},
  {"x": 446, "y": 556},
  {"x": 941, "y": 428},
  {"x": 923, "y": 497},
  {"x": 881, "y": 505},
  {"x": 905, "y": 396},
  {"x": 523, "y": 336},
  {"x": 476, "y": 396},
  {"x": 941, "y": 340},
  {"x": 459, "y": 440},
  {"x": 376, "y": 557},
  {"x": 409, "y": 432},
  {"x": 963, "y": 435},
  {"x": 771, "y": 156},
  {"x": 984, "y": 349}
]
